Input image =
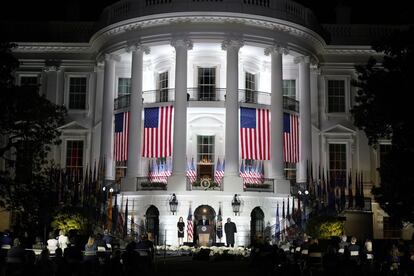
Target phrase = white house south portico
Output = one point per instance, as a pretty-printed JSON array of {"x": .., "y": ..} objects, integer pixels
[{"x": 207, "y": 100}]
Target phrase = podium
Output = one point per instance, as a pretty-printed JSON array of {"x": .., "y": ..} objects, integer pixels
[{"x": 203, "y": 232}]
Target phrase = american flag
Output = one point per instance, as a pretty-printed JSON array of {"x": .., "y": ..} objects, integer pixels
[
  {"x": 218, "y": 176},
  {"x": 254, "y": 133},
  {"x": 121, "y": 136},
  {"x": 290, "y": 138},
  {"x": 158, "y": 171},
  {"x": 157, "y": 132},
  {"x": 190, "y": 226},
  {"x": 252, "y": 173},
  {"x": 191, "y": 171}
]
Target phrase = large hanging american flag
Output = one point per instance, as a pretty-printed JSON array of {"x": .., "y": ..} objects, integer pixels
[
  {"x": 121, "y": 136},
  {"x": 157, "y": 132},
  {"x": 190, "y": 226},
  {"x": 290, "y": 138},
  {"x": 254, "y": 133}
]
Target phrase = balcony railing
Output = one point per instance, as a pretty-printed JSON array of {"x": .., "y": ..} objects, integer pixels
[
  {"x": 266, "y": 186},
  {"x": 206, "y": 94},
  {"x": 143, "y": 184},
  {"x": 199, "y": 185},
  {"x": 122, "y": 102}
]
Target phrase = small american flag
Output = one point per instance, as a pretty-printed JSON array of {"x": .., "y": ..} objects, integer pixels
[
  {"x": 121, "y": 136},
  {"x": 157, "y": 132},
  {"x": 218, "y": 176},
  {"x": 254, "y": 133},
  {"x": 290, "y": 138},
  {"x": 191, "y": 171},
  {"x": 190, "y": 226}
]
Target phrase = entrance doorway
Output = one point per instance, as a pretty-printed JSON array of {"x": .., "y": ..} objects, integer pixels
[
  {"x": 210, "y": 214},
  {"x": 152, "y": 223},
  {"x": 256, "y": 224}
]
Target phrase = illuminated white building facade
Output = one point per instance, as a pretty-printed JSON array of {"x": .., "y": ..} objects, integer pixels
[{"x": 206, "y": 59}]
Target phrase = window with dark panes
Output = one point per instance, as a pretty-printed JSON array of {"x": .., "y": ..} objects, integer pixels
[
  {"x": 206, "y": 84},
  {"x": 337, "y": 164},
  {"x": 74, "y": 155},
  {"x": 289, "y": 88},
  {"x": 384, "y": 149},
  {"x": 163, "y": 86},
  {"x": 29, "y": 80},
  {"x": 250, "y": 88},
  {"x": 336, "y": 96},
  {"x": 77, "y": 93},
  {"x": 124, "y": 86}
]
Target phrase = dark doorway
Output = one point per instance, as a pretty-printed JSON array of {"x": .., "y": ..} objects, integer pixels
[
  {"x": 208, "y": 211},
  {"x": 256, "y": 224},
  {"x": 152, "y": 223}
]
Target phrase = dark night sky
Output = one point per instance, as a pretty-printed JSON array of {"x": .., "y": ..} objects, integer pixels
[{"x": 363, "y": 11}]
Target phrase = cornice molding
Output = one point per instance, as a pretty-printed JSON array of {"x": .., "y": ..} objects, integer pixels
[{"x": 53, "y": 47}]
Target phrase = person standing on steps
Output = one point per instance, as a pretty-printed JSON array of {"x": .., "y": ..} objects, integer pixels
[
  {"x": 180, "y": 230},
  {"x": 230, "y": 229}
]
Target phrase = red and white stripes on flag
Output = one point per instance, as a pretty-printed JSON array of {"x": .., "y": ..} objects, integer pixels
[
  {"x": 254, "y": 133},
  {"x": 290, "y": 138},
  {"x": 157, "y": 132},
  {"x": 121, "y": 136}
]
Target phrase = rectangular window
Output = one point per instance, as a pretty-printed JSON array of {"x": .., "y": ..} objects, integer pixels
[
  {"x": 251, "y": 93},
  {"x": 290, "y": 171},
  {"x": 384, "y": 149},
  {"x": 77, "y": 93},
  {"x": 289, "y": 88},
  {"x": 124, "y": 86},
  {"x": 336, "y": 96},
  {"x": 163, "y": 86},
  {"x": 29, "y": 80},
  {"x": 337, "y": 164},
  {"x": 206, "y": 84},
  {"x": 74, "y": 155},
  {"x": 205, "y": 156}
]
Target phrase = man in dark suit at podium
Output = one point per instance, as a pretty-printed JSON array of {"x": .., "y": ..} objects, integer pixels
[{"x": 203, "y": 221}]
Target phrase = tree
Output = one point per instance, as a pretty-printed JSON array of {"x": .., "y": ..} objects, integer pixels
[
  {"x": 383, "y": 111},
  {"x": 28, "y": 127}
]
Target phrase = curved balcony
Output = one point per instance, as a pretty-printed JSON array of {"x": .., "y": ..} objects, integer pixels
[
  {"x": 281, "y": 9},
  {"x": 206, "y": 94}
]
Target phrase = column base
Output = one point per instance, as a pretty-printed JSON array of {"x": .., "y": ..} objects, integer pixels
[
  {"x": 282, "y": 186},
  {"x": 233, "y": 184},
  {"x": 177, "y": 182},
  {"x": 129, "y": 184}
]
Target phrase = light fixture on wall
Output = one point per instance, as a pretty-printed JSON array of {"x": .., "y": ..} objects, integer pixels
[
  {"x": 235, "y": 203},
  {"x": 173, "y": 204}
]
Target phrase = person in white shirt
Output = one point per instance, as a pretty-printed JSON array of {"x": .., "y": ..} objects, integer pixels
[
  {"x": 63, "y": 240},
  {"x": 52, "y": 243}
]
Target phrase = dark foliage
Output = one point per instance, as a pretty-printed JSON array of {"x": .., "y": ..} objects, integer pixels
[{"x": 383, "y": 111}]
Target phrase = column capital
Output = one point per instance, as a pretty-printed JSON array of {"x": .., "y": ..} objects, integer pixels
[
  {"x": 182, "y": 42},
  {"x": 232, "y": 43},
  {"x": 137, "y": 46},
  {"x": 305, "y": 59},
  {"x": 276, "y": 49}
]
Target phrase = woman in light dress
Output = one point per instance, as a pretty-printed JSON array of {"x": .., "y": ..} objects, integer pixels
[
  {"x": 52, "y": 243},
  {"x": 63, "y": 240}
]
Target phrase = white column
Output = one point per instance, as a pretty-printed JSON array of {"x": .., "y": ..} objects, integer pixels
[
  {"x": 305, "y": 131},
  {"x": 232, "y": 180},
  {"x": 107, "y": 117},
  {"x": 276, "y": 112},
  {"x": 177, "y": 181},
  {"x": 135, "y": 119}
]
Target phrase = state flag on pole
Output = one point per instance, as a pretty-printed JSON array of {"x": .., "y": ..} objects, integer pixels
[
  {"x": 157, "y": 132},
  {"x": 121, "y": 136},
  {"x": 254, "y": 133},
  {"x": 290, "y": 138}
]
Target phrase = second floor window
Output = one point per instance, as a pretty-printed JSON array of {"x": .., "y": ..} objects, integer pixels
[
  {"x": 336, "y": 96},
  {"x": 163, "y": 86},
  {"x": 124, "y": 86},
  {"x": 206, "y": 84},
  {"x": 77, "y": 93},
  {"x": 289, "y": 88},
  {"x": 250, "y": 88}
]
